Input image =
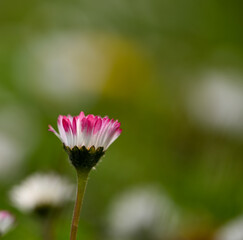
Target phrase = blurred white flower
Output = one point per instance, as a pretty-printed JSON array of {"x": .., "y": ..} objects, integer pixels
[
  {"x": 231, "y": 231},
  {"x": 143, "y": 213},
  {"x": 11, "y": 155},
  {"x": 63, "y": 67},
  {"x": 42, "y": 191},
  {"x": 217, "y": 102},
  {"x": 6, "y": 222},
  {"x": 15, "y": 144}
]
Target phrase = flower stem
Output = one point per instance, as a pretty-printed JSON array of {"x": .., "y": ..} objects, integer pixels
[
  {"x": 82, "y": 176},
  {"x": 47, "y": 228}
]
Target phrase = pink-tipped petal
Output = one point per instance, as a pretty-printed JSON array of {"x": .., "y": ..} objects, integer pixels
[
  {"x": 81, "y": 116},
  {"x": 114, "y": 137},
  {"x": 114, "y": 130},
  {"x": 59, "y": 119},
  {"x": 116, "y": 125},
  {"x": 51, "y": 129},
  {"x": 119, "y": 131},
  {"x": 74, "y": 125},
  {"x": 83, "y": 123},
  {"x": 90, "y": 123},
  {"x": 97, "y": 125},
  {"x": 66, "y": 124}
]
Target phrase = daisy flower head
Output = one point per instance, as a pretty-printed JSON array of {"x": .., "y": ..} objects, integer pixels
[
  {"x": 232, "y": 230},
  {"x": 86, "y": 138},
  {"x": 143, "y": 212},
  {"x": 6, "y": 222},
  {"x": 42, "y": 192}
]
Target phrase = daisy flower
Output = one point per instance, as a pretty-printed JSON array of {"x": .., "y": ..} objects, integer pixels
[
  {"x": 143, "y": 212},
  {"x": 6, "y": 222},
  {"x": 86, "y": 137},
  {"x": 41, "y": 192},
  {"x": 87, "y": 131},
  {"x": 233, "y": 230}
]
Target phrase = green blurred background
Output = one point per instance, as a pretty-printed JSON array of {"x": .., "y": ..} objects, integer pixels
[{"x": 170, "y": 71}]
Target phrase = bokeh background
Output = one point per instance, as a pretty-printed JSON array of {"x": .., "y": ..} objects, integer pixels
[{"x": 170, "y": 71}]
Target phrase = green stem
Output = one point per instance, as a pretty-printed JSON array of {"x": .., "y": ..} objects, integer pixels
[
  {"x": 47, "y": 226},
  {"x": 82, "y": 176}
]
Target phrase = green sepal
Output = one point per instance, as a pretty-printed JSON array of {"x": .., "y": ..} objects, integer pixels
[
  {"x": 83, "y": 158},
  {"x": 44, "y": 210}
]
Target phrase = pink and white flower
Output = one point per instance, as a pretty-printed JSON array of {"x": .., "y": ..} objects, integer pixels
[
  {"x": 6, "y": 222},
  {"x": 87, "y": 131}
]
